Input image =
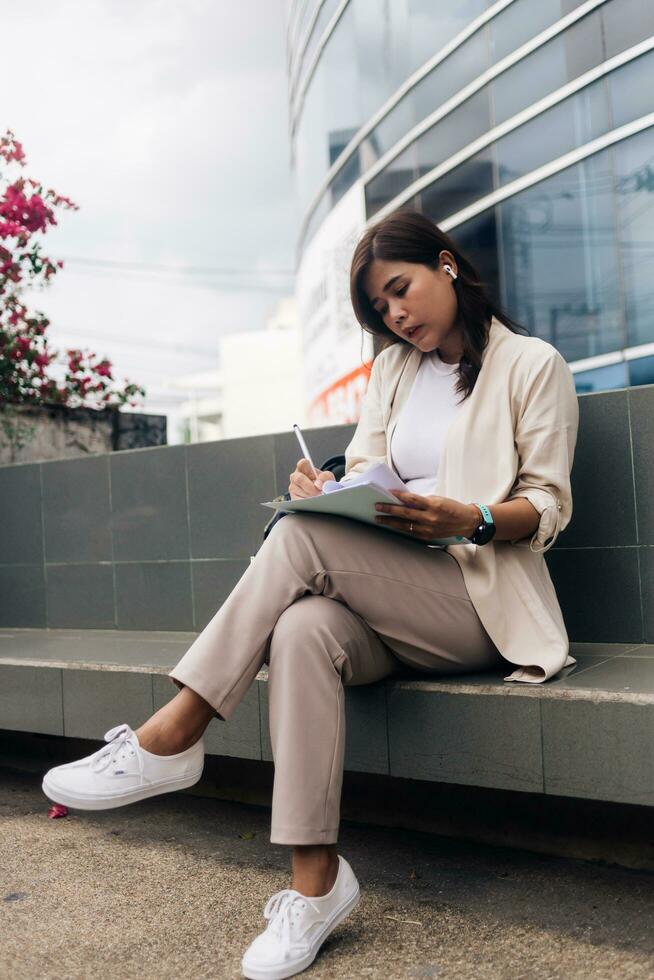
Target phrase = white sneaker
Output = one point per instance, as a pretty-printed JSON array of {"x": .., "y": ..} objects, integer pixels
[
  {"x": 298, "y": 926},
  {"x": 122, "y": 772}
]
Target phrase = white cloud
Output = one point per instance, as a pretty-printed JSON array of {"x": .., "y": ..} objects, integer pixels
[{"x": 167, "y": 124}]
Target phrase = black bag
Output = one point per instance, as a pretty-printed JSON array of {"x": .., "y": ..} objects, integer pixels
[{"x": 335, "y": 465}]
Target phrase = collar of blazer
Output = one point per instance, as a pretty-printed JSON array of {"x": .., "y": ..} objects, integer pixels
[{"x": 406, "y": 361}]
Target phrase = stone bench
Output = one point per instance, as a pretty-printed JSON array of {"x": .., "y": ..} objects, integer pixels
[
  {"x": 111, "y": 565},
  {"x": 586, "y": 733}
]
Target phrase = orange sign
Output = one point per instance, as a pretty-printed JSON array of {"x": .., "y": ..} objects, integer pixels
[{"x": 340, "y": 404}]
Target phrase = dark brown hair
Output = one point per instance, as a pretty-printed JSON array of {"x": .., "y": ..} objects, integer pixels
[{"x": 407, "y": 236}]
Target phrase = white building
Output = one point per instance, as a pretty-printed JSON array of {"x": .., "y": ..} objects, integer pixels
[{"x": 257, "y": 388}]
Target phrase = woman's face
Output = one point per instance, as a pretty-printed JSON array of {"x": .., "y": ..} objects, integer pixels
[{"x": 417, "y": 303}]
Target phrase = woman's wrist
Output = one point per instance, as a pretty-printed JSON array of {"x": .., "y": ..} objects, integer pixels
[{"x": 476, "y": 518}]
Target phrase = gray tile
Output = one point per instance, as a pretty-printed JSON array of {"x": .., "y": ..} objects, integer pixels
[
  {"x": 641, "y": 402},
  {"x": 97, "y": 700},
  {"x": 598, "y": 589},
  {"x": 646, "y": 560},
  {"x": 212, "y": 583},
  {"x": 330, "y": 440},
  {"x": 603, "y": 650},
  {"x": 628, "y": 675},
  {"x": 602, "y": 471},
  {"x": 470, "y": 739},
  {"x": 154, "y": 595},
  {"x": 31, "y": 699},
  {"x": 366, "y": 738},
  {"x": 240, "y": 736},
  {"x": 77, "y": 510},
  {"x": 148, "y": 495},
  {"x": 22, "y": 595},
  {"x": 228, "y": 481},
  {"x": 80, "y": 596},
  {"x": 600, "y": 750},
  {"x": 21, "y": 529},
  {"x": 495, "y": 679},
  {"x": 134, "y": 650},
  {"x": 366, "y": 743},
  {"x": 645, "y": 650}
]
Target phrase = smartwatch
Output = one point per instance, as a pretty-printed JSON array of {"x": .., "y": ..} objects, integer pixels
[{"x": 486, "y": 530}]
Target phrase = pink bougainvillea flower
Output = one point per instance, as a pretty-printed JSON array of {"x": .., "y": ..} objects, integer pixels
[{"x": 57, "y": 810}]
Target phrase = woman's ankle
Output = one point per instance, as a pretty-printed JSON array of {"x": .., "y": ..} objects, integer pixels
[{"x": 314, "y": 869}]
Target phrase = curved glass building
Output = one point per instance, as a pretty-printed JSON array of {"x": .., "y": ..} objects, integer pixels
[{"x": 525, "y": 128}]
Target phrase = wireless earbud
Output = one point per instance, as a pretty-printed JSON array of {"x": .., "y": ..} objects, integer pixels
[{"x": 450, "y": 271}]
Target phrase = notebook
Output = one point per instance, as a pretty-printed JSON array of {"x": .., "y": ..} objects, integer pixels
[{"x": 356, "y": 498}]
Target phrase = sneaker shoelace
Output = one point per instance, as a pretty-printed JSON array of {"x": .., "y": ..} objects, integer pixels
[
  {"x": 119, "y": 738},
  {"x": 279, "y": 913}
]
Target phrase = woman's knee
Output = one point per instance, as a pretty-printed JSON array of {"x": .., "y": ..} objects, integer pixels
[{"x": 303, "y": 627}]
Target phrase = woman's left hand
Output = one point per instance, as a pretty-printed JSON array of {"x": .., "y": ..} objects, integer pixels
[{"x": 431, "y": 517}]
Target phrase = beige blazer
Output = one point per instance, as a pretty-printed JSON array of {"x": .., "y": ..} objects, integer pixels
[{"x": 514, "y": 436}]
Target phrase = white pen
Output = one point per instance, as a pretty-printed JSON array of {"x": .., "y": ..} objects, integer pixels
[{"x": 304, "y": 448}]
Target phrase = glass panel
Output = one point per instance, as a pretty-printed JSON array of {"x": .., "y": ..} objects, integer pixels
[
  {"x": 390, "y": 182},
  {"x": 456, "y": 130},
  {"x": 559, "y": 261},
  {"x": 634, "y": 165},
  {"x": 433, "y": 23},
  {"x": 631, "y": 90},
  {"x": 548, "y": 68},
  {"x": 462, "y": 67},
  {"x": 345, "y": 177},
  {"x": 565, "y": 126},
  {"x": 477, "y": 239},
  {"x": 323, "y": 19},
  {"x": 460, "y": 187},
  {"x": 602, "y": 379},
  {"x": 392, "y": 128},
  {"x": 626, "y": 22},
  {"x": 641, "y": 371},
  {"x": 521, "y": 21}
]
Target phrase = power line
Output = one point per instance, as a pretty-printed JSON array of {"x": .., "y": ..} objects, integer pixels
[{"x": 181, "y": 270}]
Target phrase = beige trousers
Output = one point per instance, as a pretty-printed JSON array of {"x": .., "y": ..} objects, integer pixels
[{"x": 327, "y": 602}]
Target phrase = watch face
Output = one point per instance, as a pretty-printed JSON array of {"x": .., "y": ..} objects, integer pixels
[{"x": 483, "y": 534}]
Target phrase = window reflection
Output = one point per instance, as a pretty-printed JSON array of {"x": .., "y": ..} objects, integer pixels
[
  {"x": 559, "y": 260},
  {"x": 460, "y": 187},
  {"x": 634, "y": 186},
  {"x": 565, "y": 126},
  {"x": 477, "y": 239},
  {"x": 602, "y": 378},
  {"x": 390, "y": 182},
  {"x": 520, "y": 22},
  {"x": 565, "y": 57},
  {"x": 461, "y": 68},
  {"x": 626, "y": 22},
  {"x": 641, "y": 371},
  {"x": 631, "y": 90},
  {"x": 453, "y": 132}
]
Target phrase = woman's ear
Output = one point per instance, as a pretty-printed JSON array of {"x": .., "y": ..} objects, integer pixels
[{"x": 446, "y": 258}]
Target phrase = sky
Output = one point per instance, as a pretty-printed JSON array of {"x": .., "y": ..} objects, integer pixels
[{"x": 167, "y": 123}]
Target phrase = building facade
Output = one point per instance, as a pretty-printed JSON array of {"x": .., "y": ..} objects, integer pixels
[{"x": 525, "y": 128}]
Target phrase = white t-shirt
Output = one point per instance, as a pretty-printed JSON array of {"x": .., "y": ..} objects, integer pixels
[{"x": 423, "y": 423}]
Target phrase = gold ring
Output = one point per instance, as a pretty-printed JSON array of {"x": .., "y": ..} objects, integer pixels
[{"x": 411, "y": 526}]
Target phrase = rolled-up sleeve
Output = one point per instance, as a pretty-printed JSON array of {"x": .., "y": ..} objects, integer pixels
[
  {"x": 368, "y": 444},
  {"x": 545, "y": 439}
]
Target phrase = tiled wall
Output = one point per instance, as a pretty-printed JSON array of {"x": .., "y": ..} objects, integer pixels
[
  {"x": 143, "y": 539},
  {"x": 156, "y": 538}
]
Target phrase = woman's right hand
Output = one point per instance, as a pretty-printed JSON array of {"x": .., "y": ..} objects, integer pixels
[{"x": 302, "y": 480}]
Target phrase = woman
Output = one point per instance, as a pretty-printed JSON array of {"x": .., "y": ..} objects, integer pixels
[{"x": 328, "y": 602}]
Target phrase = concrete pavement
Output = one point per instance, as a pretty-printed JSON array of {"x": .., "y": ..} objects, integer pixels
[{"x": 177, "y": 884}]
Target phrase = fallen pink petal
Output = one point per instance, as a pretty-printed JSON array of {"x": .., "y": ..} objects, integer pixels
[{"x": 57, "y": 810}]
